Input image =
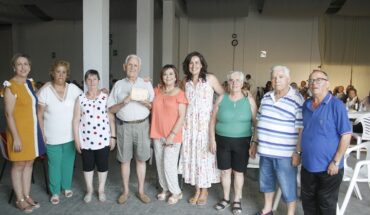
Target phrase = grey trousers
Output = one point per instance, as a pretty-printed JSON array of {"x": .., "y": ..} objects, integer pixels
[{"x": 166, "y": 159}]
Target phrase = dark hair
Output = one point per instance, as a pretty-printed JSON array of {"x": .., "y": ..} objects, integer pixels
[
  {"x": 19, "y": 55},
  {"x": 91, "y": 72},
  {"x": 58, "y": 63},
  {"x": 352, "y": 89},
  {"x": 164, "y": 69},
  {"x": 203, "y": 71}
]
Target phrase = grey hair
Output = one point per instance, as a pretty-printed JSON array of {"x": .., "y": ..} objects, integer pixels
[
  {"x": 280, "y": 68},
  {"x": 133, "y": 56},
  {"x": 241, "y": 74},
  {"x": 320, "y": 71}
]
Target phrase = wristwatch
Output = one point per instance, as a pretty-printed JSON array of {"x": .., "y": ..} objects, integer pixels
[{"x": 336, "y": 163}]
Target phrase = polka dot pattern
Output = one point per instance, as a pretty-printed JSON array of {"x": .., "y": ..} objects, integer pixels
[{"x": 94, "y": 124}]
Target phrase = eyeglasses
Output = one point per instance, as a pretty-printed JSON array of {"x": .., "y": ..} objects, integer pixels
[
  {"x": 317, "y": 80},
  {"x": 236, "y": 81}
]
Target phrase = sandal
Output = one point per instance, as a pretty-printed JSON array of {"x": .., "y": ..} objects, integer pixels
[
  {"x": 162, "y": 196},
  {"x": 193, "y": 200},
  {"x": 54, "y": 199},
  {"x": 31, "y": 202},
  {"x": 237, "y": 208},
  {"x": 102, "y": 197},
  {"x": 24, "y": 206},
  {"x": 174, "y": 199},
  {"x": 68, "y": 193},
  {"x": 221, "y": 205},
  {"x": 202, "y": 200},
  {"x": 87, "y": 197}
]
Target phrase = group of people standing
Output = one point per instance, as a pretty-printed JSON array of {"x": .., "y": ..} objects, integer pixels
[{"x": 210, "y": 141}]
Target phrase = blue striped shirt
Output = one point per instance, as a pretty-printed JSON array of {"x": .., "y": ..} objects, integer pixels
[{"x": 278, "y": 123}]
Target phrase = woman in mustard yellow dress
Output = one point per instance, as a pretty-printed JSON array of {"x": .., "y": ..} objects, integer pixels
[{"x": 24, "y": 138}]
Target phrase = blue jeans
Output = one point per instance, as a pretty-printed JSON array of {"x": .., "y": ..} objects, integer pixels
[{"x": 278, "y": 170}]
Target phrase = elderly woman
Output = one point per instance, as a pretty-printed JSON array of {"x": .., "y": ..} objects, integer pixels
[
  {"x": 352, "y": 102},
  {"x": 94, "y": 132},
  {"x": 166, "y": 130},
  {"x": 23, "y": 133},
  {"x": 197, "y": 163},
  {"x": 55, "y": 112},
  {"x": 230, "y": 134}
]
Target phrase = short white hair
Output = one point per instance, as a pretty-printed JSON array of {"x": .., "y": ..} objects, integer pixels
[
  {"x": 280, "y": 68},
  {"x": 133, "y": 56},
  {"x": 241, "y": 74}
]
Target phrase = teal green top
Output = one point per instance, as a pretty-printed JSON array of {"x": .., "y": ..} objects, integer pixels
[{"x": 234, "y": 119}]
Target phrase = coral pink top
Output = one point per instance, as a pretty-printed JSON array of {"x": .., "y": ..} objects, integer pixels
[{"x": 165, "y": 113}]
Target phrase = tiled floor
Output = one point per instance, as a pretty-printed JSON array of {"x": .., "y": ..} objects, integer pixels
[{"x": 252, "y": 199}]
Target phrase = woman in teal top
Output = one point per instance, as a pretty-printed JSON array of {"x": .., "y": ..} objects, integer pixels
[{"x": 230, "y": 134}]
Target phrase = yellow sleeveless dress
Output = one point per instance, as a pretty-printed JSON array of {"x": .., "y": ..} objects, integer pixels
[{"x": 26, "y": 122}]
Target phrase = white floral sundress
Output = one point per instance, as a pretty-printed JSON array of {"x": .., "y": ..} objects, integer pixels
[{"x": 197, "y": 164}]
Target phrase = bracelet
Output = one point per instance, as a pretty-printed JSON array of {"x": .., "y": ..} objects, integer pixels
[
  {"x": 113, "y": 137},
  {"x": 172, "y": 132},
  {"x": 255, "y": 142}
]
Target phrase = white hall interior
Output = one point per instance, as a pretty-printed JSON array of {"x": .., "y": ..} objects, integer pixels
[{"x": 301, "y": 38}]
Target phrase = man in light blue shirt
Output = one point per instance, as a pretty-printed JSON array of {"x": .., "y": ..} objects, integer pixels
[{"x": 133, "y": 124}]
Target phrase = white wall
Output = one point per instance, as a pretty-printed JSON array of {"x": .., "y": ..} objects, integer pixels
[
  {"x": 289, "y": 42},
  {"x": 6, "y": 51}
]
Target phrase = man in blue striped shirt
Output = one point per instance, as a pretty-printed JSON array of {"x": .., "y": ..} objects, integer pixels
[{"x": 278, "y": 130}]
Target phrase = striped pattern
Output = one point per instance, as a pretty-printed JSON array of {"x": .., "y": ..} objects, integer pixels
[{"x": 278, "y": 123}]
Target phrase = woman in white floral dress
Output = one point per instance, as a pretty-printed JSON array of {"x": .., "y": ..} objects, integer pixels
[{"x": 197, "y": 164}]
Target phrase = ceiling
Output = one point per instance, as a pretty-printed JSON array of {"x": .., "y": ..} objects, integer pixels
[{"x": 23, "y": 11}]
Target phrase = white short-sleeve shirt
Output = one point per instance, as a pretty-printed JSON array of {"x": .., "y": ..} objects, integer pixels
[
  {"x": 58, "y": 113},
  {"x": 133, "y": 110}
]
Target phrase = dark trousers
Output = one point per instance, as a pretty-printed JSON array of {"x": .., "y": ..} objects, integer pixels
[{"x": 319, "y": 192}]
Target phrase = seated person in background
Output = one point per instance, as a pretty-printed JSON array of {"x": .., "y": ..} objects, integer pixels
[
  {"x": 294, "y": 86},
  {"x": 365, "y": 103},
  {"x": 339, "y": 93},
  {"x": 268, "y": 87},
  {"x": 352, "y": 102}
]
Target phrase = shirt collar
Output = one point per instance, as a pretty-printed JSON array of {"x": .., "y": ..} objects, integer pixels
[{"x": 290, "y": 92}]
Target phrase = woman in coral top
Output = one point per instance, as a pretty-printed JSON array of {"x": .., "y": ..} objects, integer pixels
[{"x": 168, "y": 113}]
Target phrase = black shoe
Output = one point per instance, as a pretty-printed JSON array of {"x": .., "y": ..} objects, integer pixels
[{"x": 261, "y": 213}]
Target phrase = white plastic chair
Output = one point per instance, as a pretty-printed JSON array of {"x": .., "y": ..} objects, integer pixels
[
  {"x": 361, "y": 173},
  {"x": 365, "y": 122}
]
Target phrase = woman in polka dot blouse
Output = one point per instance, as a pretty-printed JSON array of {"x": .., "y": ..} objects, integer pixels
[{"x": 94, "y": 131}]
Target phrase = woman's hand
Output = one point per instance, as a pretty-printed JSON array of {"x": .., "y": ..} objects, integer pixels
[
  {"x": 112, "y": 143},
  {"x": 17, "y": 145},
  {"x": 169, "y": 140},
  {"x": 253, "y": 150},
  {"x": 78, "y": 147},
  {"x": 212, "y": 147}
]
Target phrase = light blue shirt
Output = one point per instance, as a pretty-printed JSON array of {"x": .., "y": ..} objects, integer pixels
[{"x": 133, "y": 110}]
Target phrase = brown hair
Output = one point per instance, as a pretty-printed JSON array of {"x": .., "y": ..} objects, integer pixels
[
  {"x": 19, "y": 55},
  {"x": 164, "y": 69},
  {"x": 58, "y": 63}
]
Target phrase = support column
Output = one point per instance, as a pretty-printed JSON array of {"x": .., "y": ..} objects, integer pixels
[
  {"x": 96, "y": 38},
  {"x": 145, "y": 34},
  {"x": 168, "y": 28}
]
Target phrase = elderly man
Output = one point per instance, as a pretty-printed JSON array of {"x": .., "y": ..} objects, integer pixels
[
  {"x": 277, "y": 134},
  {"x": 325, "y": 138},
  {"x": 130, "y": 100}
]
